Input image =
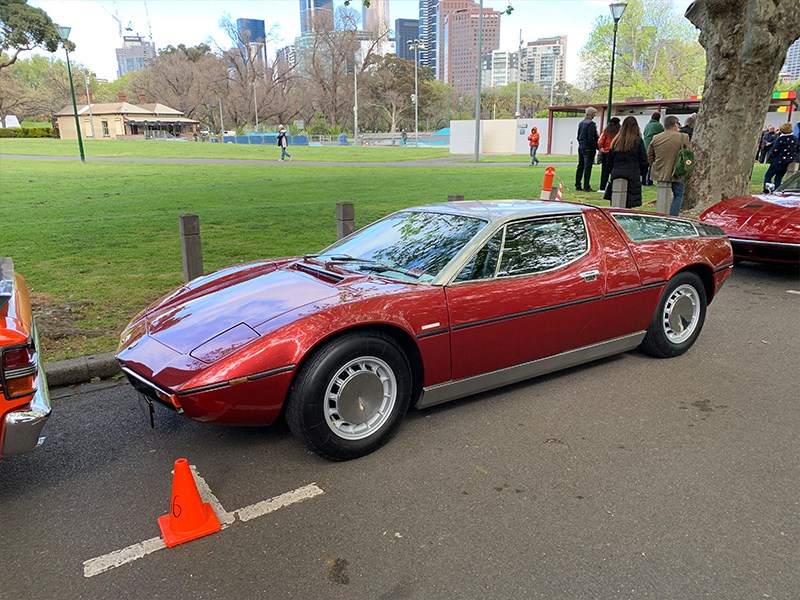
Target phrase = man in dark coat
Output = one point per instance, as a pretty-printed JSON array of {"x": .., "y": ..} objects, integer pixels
[
  {"x": 767, "y": 140},
  {"x": 587, "y": 148},
  {"x": 652, "y": 129}
]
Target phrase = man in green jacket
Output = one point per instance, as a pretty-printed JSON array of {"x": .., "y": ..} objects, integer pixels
[{"x": 653, "y": 128}]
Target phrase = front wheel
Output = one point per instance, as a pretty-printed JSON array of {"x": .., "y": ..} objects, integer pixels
[
  {"x": 350, "y": 396},
  {"x": 678, "y": 319}
]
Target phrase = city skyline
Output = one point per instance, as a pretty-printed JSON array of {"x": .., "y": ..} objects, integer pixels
[{"x": 95, "y": 29}]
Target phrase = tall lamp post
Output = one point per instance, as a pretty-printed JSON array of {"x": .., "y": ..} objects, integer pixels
[
  {"x": 416, "y": 45},
  {"x": 617, "y": 8},
  {"x": 519, "y": 71},
  {"x": 63, "y": 32}
]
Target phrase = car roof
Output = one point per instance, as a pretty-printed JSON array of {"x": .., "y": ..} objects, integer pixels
[{"x": 501, "y": 210}]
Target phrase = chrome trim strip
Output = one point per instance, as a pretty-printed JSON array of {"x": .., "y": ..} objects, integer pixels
[
  {"x": 221, "y": 384},
  {"x": 762, "y": 243},
  {"x": 636, "y": 289},
  {"x": 428, "y": 334},
  {"x": 451, "y": 390},
  {"x": 20, "y": 372},
  {"x": 430, "y": 326},
  {"x": 525, "y": 313},
  {"x": 723, "y": 267},
  {"x": 135, "y": 375}
]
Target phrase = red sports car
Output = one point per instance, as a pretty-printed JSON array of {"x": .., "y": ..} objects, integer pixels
[
  {"x": 424, "y": 306},
  {"x": 762, "y": 228}
]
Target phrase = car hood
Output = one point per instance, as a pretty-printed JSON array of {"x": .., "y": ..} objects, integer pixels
[
  {"x": 772, "y": 217},
  {"x": 230, "y": 304}
]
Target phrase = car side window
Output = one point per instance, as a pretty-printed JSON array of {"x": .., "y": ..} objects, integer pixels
[
  {"x": 484, "y": 263},
  {"x": 542, "y": 244}
]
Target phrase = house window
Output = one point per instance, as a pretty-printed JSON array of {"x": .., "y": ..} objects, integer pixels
[{"x": 105, "y": 129}]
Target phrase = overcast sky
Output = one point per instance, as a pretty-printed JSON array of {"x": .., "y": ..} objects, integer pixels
[{"x": 96, "y": 32}]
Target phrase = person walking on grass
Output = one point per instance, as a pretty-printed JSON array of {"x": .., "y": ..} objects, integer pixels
[
  {"x": 533, "y": 142},
  {"x": 587, "y": 146},
  {"x": 283, "y": 142},
  {"x": 661, "y": 155}
]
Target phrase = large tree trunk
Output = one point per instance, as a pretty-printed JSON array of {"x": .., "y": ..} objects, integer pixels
[{"x": 746, "y": 43}]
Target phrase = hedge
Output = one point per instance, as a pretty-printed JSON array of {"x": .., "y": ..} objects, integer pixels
[{"x": 28, "y": 132}]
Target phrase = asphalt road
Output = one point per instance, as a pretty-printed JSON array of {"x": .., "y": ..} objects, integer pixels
[{"x": 629, "y": 478}]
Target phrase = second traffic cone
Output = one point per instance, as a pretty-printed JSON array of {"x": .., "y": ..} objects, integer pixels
[{"x": 189, "y": 517}]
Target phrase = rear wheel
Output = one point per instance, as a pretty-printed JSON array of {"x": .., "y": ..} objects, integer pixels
[
  {"x": 349, "y": 397},
  {"x": 679, "y": 317}
]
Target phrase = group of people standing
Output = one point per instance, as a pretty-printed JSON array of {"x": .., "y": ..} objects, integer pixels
[
  {"x": 626, "y": 153},
  {"x": 779, "y": 148}
]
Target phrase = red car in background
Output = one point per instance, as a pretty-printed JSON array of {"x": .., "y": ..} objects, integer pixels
[
  {"x": 24, "y": 397},
  {"x": 763, "y": 227},
  {"x": 424, "y": 306}
]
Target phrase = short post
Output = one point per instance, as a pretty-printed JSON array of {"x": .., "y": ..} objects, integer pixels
[
  {"x": 664, "y": 197},
  {"x": 619, "y": 193},
  {"x": 547, "y": 184},
  {"x": 191, "y": 247},
  {"x": 345, "y": 219},
  {"x": 454, "y": 197}
]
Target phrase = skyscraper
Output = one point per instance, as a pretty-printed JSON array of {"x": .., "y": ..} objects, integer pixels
[
  {"x": 136, "y": 53},
  {"x": 252, "y": 39},
  {"x": 406, "y": 30},
  {"x": 375, "y": 17},
  {"x": 428, "y": 32},
  {"x": 544, "y": 61},
  {"x": 316, "y": 14},
  {"x": 792, "y": 64},
  {"x": 457, "y": 49}
]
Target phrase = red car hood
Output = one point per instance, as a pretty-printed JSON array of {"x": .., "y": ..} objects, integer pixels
[
  {"x": 768, "y": 217},
  {"x": 250, "y": 295}
]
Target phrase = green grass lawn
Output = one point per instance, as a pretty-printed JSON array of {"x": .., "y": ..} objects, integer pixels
[
  {"x": 164, "y": 149},
  {"x": 97, "y": 242}
]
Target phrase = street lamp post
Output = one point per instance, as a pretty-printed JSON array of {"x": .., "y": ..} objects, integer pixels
[
  {"x": 617, "y": 8},
  {"x": 89, "y": 103},
  {"x": 255, "y": 101},
  {"x": 416, "y": 45},
  {"x": 355, "y": 102},
  {"x": 519, "y": 71},
  {"x": 63, "y": 32},
  {"x": 478, "y": 85}
]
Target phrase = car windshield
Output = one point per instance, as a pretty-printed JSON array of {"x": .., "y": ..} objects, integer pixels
[
  {"x": 410, "y": 246},
  {"x": 792, "y": 184}
]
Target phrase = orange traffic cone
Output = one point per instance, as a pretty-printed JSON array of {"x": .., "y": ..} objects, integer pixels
[{"x": 189, "y": 517}]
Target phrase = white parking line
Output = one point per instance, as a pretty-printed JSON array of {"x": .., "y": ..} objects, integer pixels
[{"x": 112, "y": 560}]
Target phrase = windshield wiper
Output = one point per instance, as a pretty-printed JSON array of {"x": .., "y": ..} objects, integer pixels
[{"x": 368, "y": 264}]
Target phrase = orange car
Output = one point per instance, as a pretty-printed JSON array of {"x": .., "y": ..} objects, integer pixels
[{"x": 24, "y": 398}]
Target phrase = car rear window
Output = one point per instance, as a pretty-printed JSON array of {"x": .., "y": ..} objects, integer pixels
[{"x": 642, "y": 228}]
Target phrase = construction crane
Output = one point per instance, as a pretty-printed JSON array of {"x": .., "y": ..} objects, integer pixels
[{"x": 115, "y": 16}]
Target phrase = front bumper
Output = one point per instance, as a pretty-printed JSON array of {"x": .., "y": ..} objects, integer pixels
[
  {"x": 22, "y": 428},
  {"x": 783, "y": 252}
]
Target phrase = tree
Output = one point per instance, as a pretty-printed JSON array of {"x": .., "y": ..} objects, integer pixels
[
  {"x": 24, "y": 27},
  {"x": 657, "y": 54},
  {"x": 745, "y": 42}
]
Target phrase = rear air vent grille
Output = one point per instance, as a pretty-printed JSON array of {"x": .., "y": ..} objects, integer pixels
[{"x": 319, "y": 272}]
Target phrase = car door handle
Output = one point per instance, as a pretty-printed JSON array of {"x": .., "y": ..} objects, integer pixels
[{"x": 589, "y": 275}]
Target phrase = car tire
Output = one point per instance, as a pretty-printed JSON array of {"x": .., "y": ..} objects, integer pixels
[
  {"x": 349, "y": 397},
  {"x": 678, "y": 319}
]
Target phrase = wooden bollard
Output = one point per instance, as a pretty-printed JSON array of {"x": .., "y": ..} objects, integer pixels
[
  {"x": 345, "y": 219},
  {"x": 619, "y": 193},
  {"x": 664, "y": 197},
  {"x": 191, "y": 247},
  {"x": 454, "y": 197}
]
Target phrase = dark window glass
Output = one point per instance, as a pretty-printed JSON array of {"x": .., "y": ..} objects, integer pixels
[
  {"x": 484, "y": 263},
  {"x": 419, "y": 242},
  {"x": 541, "y": 245},
  {"x": 645, "y": 227}
]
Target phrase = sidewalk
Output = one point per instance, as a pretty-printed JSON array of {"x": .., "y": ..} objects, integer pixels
[{"x": 81, "y": 370}]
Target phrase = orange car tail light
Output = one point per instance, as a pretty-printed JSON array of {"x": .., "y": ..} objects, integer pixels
[{"x": 19, "y": 370}]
